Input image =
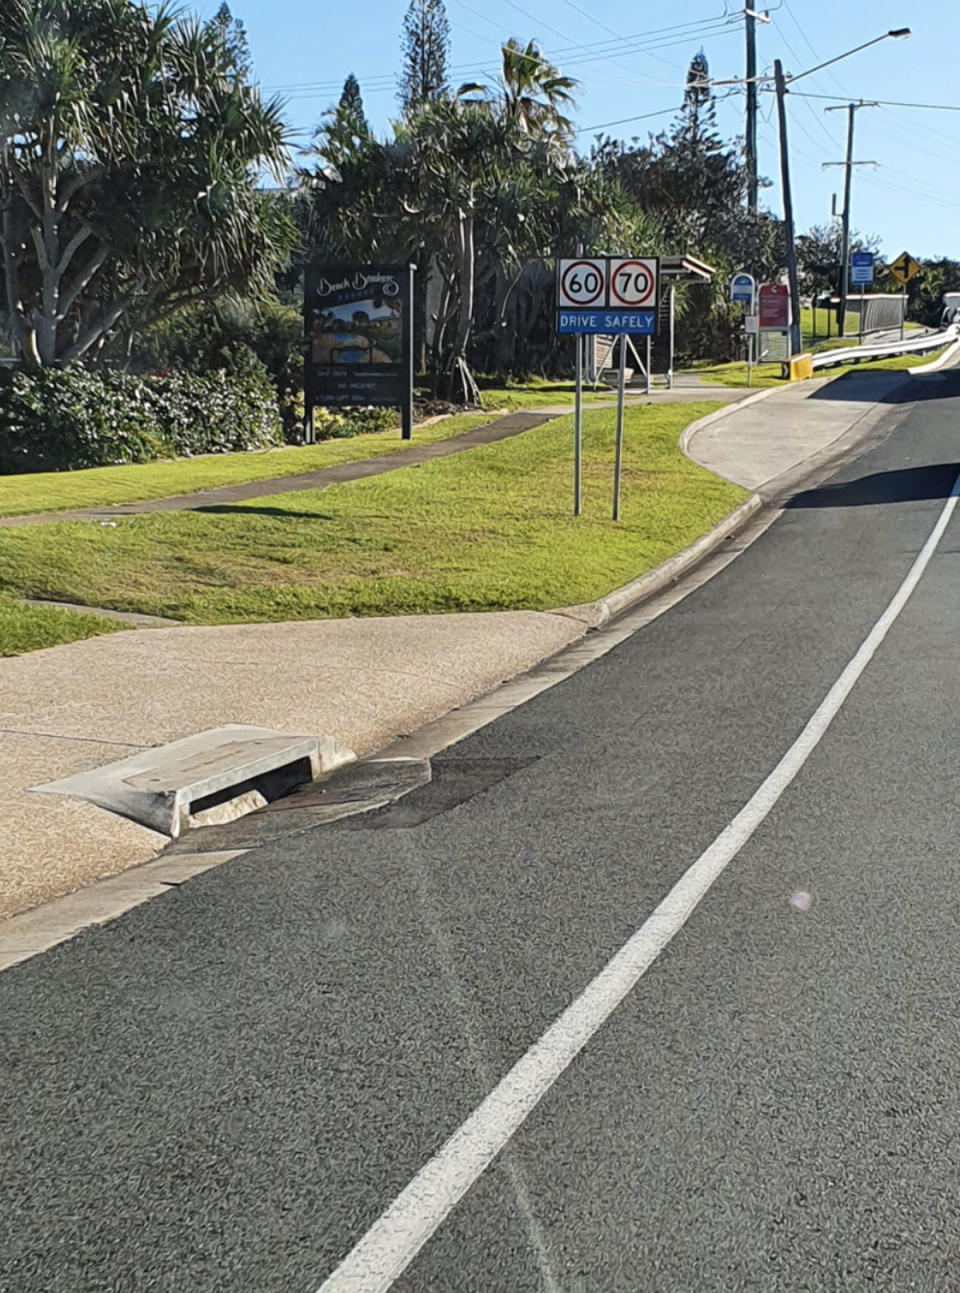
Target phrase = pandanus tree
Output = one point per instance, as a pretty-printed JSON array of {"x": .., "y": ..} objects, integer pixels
[{"x": 130, "y": 149}]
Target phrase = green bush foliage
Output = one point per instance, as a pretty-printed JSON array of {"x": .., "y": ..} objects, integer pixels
[{"x": 60, "y": 419}]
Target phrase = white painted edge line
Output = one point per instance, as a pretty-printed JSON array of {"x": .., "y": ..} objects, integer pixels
[{"x": 397, "y": 1236}]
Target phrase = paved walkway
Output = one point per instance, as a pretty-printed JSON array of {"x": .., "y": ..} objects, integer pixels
[{"x": 499, "y": 429}]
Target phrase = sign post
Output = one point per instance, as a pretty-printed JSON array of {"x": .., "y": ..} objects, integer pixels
[
  {"x": 743, "y": 291},
  {"x": 606, "y": 294},
  {"x": 358, "y": 328},
  {"x": 578, "y": 427},
  {"x": 903, "y": 269},
  {"x": 861, "y": 275},
  {"x": 618, "y": 464}
]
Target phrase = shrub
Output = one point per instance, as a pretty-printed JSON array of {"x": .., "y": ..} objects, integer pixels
[{"x": 62, "y": 419}]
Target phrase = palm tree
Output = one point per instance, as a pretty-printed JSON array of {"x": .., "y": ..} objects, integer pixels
[{"x": 531, "y": 93}]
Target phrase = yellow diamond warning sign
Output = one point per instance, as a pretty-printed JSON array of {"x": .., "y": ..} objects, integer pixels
[{"x": 904, "y": 268}]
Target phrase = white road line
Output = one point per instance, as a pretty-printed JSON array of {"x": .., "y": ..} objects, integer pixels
[{"x": 394, "y": 1240}]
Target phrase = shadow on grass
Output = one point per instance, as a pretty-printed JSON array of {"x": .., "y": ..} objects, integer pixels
[{"x": 283, "y": 513}]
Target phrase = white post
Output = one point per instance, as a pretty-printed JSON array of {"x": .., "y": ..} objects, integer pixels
[{"x": 649, "y": 382}]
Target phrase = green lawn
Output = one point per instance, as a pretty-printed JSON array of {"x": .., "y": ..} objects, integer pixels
[
  {"x": 538, "y": 396},
  {"x": 28, "y": 628},
  {"x": 485, "y": 530},
  {"x": 98, "y": 486}
]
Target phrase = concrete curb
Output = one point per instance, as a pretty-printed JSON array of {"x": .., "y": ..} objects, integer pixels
[{"x": 596, "y": 615}]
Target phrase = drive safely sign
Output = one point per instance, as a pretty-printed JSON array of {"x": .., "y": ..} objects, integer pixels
[
  {"x": 615, "y": 295},
  {"x": 636, "y": 322}
]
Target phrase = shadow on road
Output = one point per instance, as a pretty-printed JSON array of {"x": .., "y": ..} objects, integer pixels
[
  {"x": 888, "y": 386},
  {"x": 903, "y": 486}
]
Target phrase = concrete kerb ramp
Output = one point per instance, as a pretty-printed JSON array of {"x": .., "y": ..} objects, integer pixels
[{"x": 206, "y": 779}]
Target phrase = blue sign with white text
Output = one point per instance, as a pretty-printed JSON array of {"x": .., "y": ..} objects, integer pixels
[
  {"x": 861, "y": 268},
  {"x": 637, "y": 322}
]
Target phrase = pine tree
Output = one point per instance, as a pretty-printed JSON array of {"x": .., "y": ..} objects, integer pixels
[
  {"x": 351, "y": 102},
  {"x": 235, "y": 42},
  {"x": 699, "y": 109},
  {"x": 425, "y": 40}
]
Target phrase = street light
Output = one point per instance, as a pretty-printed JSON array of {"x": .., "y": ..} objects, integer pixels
[
  {"x": 901, "y": 33},
  {"x": 781, "y": 82}
]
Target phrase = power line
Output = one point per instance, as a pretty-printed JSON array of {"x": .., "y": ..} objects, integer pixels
[
  {"x": 881, "y": 103},
  {"x": 662, "y": 37},
  {"x": 664, "y": 112}
]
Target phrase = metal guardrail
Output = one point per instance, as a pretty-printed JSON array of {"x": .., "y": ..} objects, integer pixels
[{"x": 887, "y": 349}]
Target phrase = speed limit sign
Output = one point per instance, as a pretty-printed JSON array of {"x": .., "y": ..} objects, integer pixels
[
  {"x": 633, "y": 284},
  {"x": 582, "y": 284}
]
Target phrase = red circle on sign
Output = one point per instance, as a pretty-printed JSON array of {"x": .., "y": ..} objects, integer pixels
[
  {"x": 632, "y": 284},
  {"x": 582, "y": 283}
]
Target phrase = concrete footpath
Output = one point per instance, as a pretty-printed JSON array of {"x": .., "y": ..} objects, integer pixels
[{"x": 362, "y": 681}]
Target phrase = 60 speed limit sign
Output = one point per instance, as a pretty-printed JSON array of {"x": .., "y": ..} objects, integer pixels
[
  {"x": 582, "y": 284},
  {"x": 633, "y": 284}
]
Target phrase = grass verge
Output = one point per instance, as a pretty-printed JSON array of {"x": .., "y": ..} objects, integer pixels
[
  {"x": 490, "y": 529},
  {"x": 769, "y": 374},
  {"x": 28, "y": 628},
  {"x": 100, "y": 486},
  {"x": 539, "y": 396}
]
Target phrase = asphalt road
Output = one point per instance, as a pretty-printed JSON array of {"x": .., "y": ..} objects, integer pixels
[{"x": 226, "y": 1087}]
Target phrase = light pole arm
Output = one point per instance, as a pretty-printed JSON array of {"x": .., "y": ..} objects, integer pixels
[{"x": 897, "y": 35}]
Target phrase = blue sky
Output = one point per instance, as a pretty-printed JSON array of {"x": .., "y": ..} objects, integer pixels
[{"x": 303, "y": 49}]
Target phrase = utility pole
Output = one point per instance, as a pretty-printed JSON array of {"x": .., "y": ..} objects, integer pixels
[
  {"x": 795, "y": 342},
  {"x": 751, "y": 17},
  {"x": 845, "y": 235}
]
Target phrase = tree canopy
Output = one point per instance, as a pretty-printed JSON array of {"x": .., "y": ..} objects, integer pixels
[
  {"x": 130, "y": 146},
  {"x": 425, "y": 42}
]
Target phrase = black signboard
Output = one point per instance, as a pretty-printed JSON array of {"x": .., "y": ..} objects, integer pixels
[{"x": 358, "y": 323}]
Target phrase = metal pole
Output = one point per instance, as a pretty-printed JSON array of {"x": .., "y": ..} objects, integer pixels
[
  {"x": 845, "y": 240},
  {"x": 795, "y": 343},
  {"x": 673, "y": 315},
  {"x": 406, "y": 411},
  {"x": 751, "y": 133},
  {"x": 749, "y": 358},
  {"x": 578, "y": 428},
  {"x": 903, "y": 310},
  {"x": 862, "y": 299},
  {"x": 621, "y": 385},
  {"x": 649, "y": 380}
]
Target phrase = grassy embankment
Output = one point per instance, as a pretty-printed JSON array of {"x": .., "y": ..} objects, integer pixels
[{"x": 489, "y": 529}]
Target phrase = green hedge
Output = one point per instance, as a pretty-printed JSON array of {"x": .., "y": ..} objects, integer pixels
[{"x": 61, "y": 419}]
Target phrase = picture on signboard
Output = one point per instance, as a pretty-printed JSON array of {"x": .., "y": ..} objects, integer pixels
[{"x": 365, "y": 331}]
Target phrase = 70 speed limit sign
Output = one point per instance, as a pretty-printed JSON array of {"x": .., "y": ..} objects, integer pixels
[{"x": 633, "y": 284}]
